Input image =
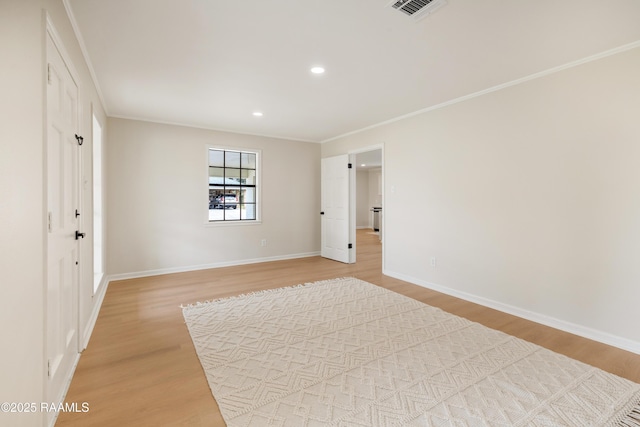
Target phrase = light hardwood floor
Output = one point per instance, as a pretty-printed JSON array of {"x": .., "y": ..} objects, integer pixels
[{"x": 141, "y": 369}]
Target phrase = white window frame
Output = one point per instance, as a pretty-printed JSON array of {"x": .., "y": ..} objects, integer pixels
[{"x": 258, "y": 188}]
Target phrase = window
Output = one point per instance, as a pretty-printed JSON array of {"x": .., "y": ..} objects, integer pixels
[{"x": 233, "y": 185}]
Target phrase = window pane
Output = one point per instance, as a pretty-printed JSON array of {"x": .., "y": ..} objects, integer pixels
[
  {"x": 248, "y": 177},
  {"x": 232, "y": 176},
  {"x": 249, "y": 195},
  {"x": 216, "y": 176},
  {"x": 248, "y": 160},
  {"x": 232, "y": 159},
  {"x": 216, "y": 158},
  {"x": 248, "y": 211}
]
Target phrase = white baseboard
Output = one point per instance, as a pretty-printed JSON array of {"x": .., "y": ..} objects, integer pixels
[
  {"x": 573, "y": 328},
  {"x": 50, "y": 422},
  {"x": 97, "y": 304},
  {"x": 148, "y": 273}
]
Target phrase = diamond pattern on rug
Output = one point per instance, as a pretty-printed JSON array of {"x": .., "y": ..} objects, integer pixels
[{"x": 345, "y": 352}]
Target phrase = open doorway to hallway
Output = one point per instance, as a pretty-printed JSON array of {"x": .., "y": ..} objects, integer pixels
[
  {"x": 351, "y": 187},
  {"x": 368, "y": 189}
]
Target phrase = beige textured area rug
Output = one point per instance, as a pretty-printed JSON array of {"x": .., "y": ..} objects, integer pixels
[{"x": 347, "y": 353}]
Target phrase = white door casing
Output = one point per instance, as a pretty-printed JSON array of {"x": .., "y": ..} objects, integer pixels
[
  {"x": 335, "y": 212},
  {"x": 63, "y": 247}
]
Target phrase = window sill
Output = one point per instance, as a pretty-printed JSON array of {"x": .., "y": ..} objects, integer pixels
[{"x": 242, "y": 223}]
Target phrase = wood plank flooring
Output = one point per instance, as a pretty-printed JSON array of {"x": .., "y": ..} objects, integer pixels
[{"x": 141, "y": 369}]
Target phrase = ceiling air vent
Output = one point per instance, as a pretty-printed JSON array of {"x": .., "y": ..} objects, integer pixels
[{"x": 417, "y": 9}]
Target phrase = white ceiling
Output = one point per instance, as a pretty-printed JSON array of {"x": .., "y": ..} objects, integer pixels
[
  {"x": 369, "y": 159},
  {"x": 211, "y": 63}
]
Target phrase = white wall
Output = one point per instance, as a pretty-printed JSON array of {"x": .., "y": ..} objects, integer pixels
[
  {"x": 529, "y": 198},
  {"x": 21, "y": 207},
  {"x": 362, "y": 199},
  {"x": 23, "y": 195},
  {"x": 157, "y": 200},
  {"x": 375, "y": 190}
]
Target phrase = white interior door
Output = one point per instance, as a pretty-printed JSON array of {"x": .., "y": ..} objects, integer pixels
[
  {"x": 62, "y": 243},
  {"x": 335, "y": 185}
]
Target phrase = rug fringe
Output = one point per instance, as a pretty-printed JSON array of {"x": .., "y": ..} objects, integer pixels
[
  {"x": 632, "y": 419},
  {"x": 264, "y": 291}
]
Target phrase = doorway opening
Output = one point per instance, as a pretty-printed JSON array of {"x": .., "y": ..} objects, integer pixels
[
  {"x": 367, "y": 196},
  {"x": 369, "y": 190},
  {"x": 345, "y": 198}
]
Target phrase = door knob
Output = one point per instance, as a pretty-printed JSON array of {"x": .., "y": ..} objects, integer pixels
[{"x": 79, "y": 235}]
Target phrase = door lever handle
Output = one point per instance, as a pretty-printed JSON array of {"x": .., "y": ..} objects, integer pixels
[{"x": 79, "y": 235}]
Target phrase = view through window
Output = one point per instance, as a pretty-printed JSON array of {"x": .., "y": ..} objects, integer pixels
[{"x": 233, "y": 185}]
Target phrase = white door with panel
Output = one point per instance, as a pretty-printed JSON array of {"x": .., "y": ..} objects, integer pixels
[
  {"x": 335, "y": 230},
  {"x": 62, "y": 217}
]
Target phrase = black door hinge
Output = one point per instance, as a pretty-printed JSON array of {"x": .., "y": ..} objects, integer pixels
[
  {"x": 349, "y": 165},
  {"x": 350, "y": 245}
]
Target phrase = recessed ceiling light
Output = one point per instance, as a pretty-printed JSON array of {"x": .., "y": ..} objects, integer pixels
[
  {"x": 363, "y": 165},
  {"x": 257, "y": 113},
  {"x": 317, "y": 70}
]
